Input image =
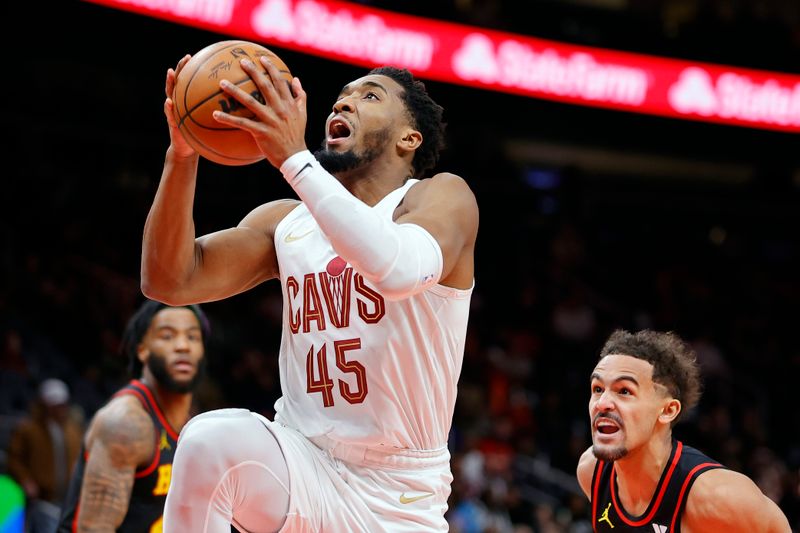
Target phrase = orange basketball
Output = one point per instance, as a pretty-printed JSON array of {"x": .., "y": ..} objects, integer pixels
[{"x": 198, "y": 95}]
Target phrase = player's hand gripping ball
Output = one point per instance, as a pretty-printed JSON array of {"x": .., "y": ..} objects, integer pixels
[{"x": 197, "y": 95}]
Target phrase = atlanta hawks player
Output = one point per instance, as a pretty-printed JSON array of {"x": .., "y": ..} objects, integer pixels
[{"x": 376, "y": 268}]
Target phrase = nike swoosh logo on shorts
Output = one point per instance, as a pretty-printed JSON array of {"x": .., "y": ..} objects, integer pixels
[
  {"x": 292, "y": 238},
  {"x": 411, "y": 499}
]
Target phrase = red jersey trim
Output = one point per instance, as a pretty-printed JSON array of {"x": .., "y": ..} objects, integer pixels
[
  {"x": 598, "y": 470},
  {"x": 156, "y": 408},
  {"x": 153, "y": 464},
  {"x": 135, "y": 393},
  {"x": 665, "y": 482},
  {"x": 683, "y": 490},
  {"x": 75, "y": 518}
]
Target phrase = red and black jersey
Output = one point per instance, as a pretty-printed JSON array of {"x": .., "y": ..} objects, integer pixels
[
  {"x": 663, "y": 514},
  {"x": 151, "y": 482}
]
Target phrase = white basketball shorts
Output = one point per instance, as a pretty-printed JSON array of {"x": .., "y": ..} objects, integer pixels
[{"x": 348, "y": 489}]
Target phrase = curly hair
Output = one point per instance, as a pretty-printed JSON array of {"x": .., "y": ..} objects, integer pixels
[
  {"x": 674, "y": 361},
  {"x": 425, "y": 115},
  {"x": 138, "y": 325}
]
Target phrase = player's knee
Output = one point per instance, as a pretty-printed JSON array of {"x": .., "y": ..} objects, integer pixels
[{"x": 206, "y": 439}]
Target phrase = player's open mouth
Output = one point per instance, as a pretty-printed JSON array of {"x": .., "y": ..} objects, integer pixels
[
  {"x": 606, "y": 426},
  {"x": 338, "y": 130}
]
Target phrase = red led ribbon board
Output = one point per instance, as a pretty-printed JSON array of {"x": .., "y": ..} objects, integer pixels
[{"x": 498, "y": 61}]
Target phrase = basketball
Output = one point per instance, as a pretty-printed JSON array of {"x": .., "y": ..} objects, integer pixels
[{"x": 197, "y": 95}]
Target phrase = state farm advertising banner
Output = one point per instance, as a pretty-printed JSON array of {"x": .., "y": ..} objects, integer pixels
[{"x": 498, "y": 61}]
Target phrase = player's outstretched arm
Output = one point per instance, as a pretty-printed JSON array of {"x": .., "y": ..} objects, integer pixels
[
  {"x": 121, "y": 438},
  {"x": 724, "y": 500}
]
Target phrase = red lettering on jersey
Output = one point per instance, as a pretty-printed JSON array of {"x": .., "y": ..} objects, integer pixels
[
  {"x": 354, "y": 367},
  {"x": 292, "y": 288},
  {"x": 324, "y": 383},
  {"x": 378, "y": 303},
  {"x": 336, "y": 292},
  {"x": 312, "y": 308}
]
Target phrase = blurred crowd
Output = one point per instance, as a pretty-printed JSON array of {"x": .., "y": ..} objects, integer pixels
[{"x": 554, "y": 278}]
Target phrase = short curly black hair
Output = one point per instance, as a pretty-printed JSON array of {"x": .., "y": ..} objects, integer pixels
[
  {"x": 425, "y": 114},
  {"x": 138, "y": 325},
  {"x": 674, "y": 361}
]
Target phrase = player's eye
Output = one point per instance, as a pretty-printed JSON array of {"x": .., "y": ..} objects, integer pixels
[
  {"x": 371, "y": 95},
  {"x": 597, "y": 389}
]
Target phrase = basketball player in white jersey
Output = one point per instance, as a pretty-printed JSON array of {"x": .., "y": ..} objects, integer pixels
[{"x": 376, "y": 268}]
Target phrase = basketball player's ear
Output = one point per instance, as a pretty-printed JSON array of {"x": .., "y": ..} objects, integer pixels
[
  {"x": 670, "y": 411},
  {"x": 410, "y": 141},
  {"x": 142, "y": 353}
]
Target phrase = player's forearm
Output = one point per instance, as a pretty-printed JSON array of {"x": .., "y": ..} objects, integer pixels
[
  {"x": 169, "y": 252},
  {"x": 105, "y": 496},
  {"x": 99, "y": 520},
  {"x": 95, "y": 528}
]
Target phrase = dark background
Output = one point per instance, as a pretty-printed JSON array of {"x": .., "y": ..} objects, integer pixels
[{"x": 590, "y": 220}]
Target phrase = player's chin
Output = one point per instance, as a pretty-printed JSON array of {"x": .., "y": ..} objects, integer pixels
[
  {"x": 182, "y": 384},
  {"x": 606, "y": 450},
  {"x": 609, "y": 453}
]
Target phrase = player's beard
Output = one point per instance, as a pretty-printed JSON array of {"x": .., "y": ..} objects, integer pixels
[
  {"x": 334, "y": 162},
  {"x": 158, "y": 367},
  {"x": 610, "y": 454}
]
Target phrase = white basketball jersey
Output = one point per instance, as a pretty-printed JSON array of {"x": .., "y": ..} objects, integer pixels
[{"x": 355, "y": 367}]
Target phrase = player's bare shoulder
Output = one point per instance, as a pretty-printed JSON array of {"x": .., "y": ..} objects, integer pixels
[
  {"x": 724, "y": 500},
  {"x": 442, "y": 181},
  {"x": 457, "y": 189},
  {"x": 266, "y": 217},
  {"x": 447, "y": 177},
  {"x": 124, "y": 429},
  {"x": 444, "y": 193},
  {"x": 585, "y": 471}
]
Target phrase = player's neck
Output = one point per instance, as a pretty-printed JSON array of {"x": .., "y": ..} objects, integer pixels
[
  {"x": 372, "y": 183},
  {"x": 638, "y": 473},
  {"x": 175, "y": 405}
]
